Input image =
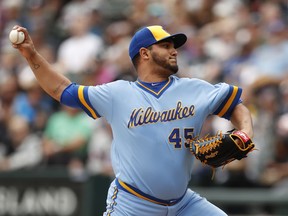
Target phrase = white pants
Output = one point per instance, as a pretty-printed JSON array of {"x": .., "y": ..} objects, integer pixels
[{"x": 121, "y": 203}]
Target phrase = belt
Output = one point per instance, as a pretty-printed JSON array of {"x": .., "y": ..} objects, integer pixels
[{"x": 136, "y": 192}]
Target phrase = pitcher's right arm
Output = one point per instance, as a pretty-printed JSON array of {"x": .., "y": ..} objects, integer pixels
[{"x": 50, "y": 80}]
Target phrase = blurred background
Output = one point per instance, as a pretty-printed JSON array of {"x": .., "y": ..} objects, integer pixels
[{"x": 55, "y": 160}]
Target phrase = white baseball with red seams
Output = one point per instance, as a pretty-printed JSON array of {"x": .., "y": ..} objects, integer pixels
[{"x": 16, "y": 37}]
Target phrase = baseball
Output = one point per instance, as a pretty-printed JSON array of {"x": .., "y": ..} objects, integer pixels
[{"x": 16, "y": 37}]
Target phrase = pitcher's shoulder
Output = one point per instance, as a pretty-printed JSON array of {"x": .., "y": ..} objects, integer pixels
[{"x": 189, "y": 81}]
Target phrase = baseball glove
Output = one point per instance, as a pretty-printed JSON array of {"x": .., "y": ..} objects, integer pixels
[{"x": 222, "y": 148}]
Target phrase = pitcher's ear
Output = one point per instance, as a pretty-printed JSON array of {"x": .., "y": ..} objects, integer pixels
[{"x": 144, "y": 53}]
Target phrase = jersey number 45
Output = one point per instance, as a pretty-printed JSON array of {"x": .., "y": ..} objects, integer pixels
[{"x": 176, "y": 137}]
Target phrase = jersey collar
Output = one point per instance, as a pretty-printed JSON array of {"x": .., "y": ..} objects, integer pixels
[{"x": 155, "y": 88}]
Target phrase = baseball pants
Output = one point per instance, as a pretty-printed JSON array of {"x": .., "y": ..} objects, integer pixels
[{"x": 122, "y": 203}]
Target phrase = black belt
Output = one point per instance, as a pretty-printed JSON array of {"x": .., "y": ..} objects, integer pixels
[{"x": 136, "y": 192}]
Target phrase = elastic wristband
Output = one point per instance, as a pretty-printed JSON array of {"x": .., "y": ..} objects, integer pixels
[{"x": 244, "y": 137}]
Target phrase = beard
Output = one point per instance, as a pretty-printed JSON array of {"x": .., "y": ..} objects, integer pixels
[{"x": 163, "y": 63}]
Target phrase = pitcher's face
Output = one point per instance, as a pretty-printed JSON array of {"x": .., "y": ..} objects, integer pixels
[{"x": 164, "y": 55}]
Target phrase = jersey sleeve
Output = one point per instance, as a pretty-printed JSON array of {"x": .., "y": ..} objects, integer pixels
[
  {"x": 88, "y": 98},
  {"x": 225, "y": 99}
]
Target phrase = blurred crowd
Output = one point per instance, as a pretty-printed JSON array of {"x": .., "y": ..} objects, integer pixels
[{"x": 241, "y": 42}]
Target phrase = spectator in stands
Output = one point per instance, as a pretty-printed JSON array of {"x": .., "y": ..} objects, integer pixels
[
  {"x": 8, "y": 91},
  {"x": 265, "y": 100},
  {"x": 284, "y": 95},
  {"x": 117, "y": 38},
  {"x": 276, "y": 171},
  {"x": 66, "y": 136},
  {"x": 33, "y": 104},
  {"x": 76, "y": 54},
  {"x": 25, "y": 146},
  {"x": 9, "y": 63},
  {"x": 269, "y": 57},
  {"x": 98, "y": 158}
]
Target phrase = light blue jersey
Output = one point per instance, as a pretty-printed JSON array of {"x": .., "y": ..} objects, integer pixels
[{"x": 152, "y": 124}]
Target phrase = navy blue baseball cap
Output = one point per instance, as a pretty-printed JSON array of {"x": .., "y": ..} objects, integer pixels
[{"x": 150, "y": 35}]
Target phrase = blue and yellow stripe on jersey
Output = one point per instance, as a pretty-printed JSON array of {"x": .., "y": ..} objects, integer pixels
[
  {"x": 85, "y": 102},
  {"x": 231, "y": 100},
  {"x": 77, "y": 96},
  {"x": 136, "y": 192}
]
